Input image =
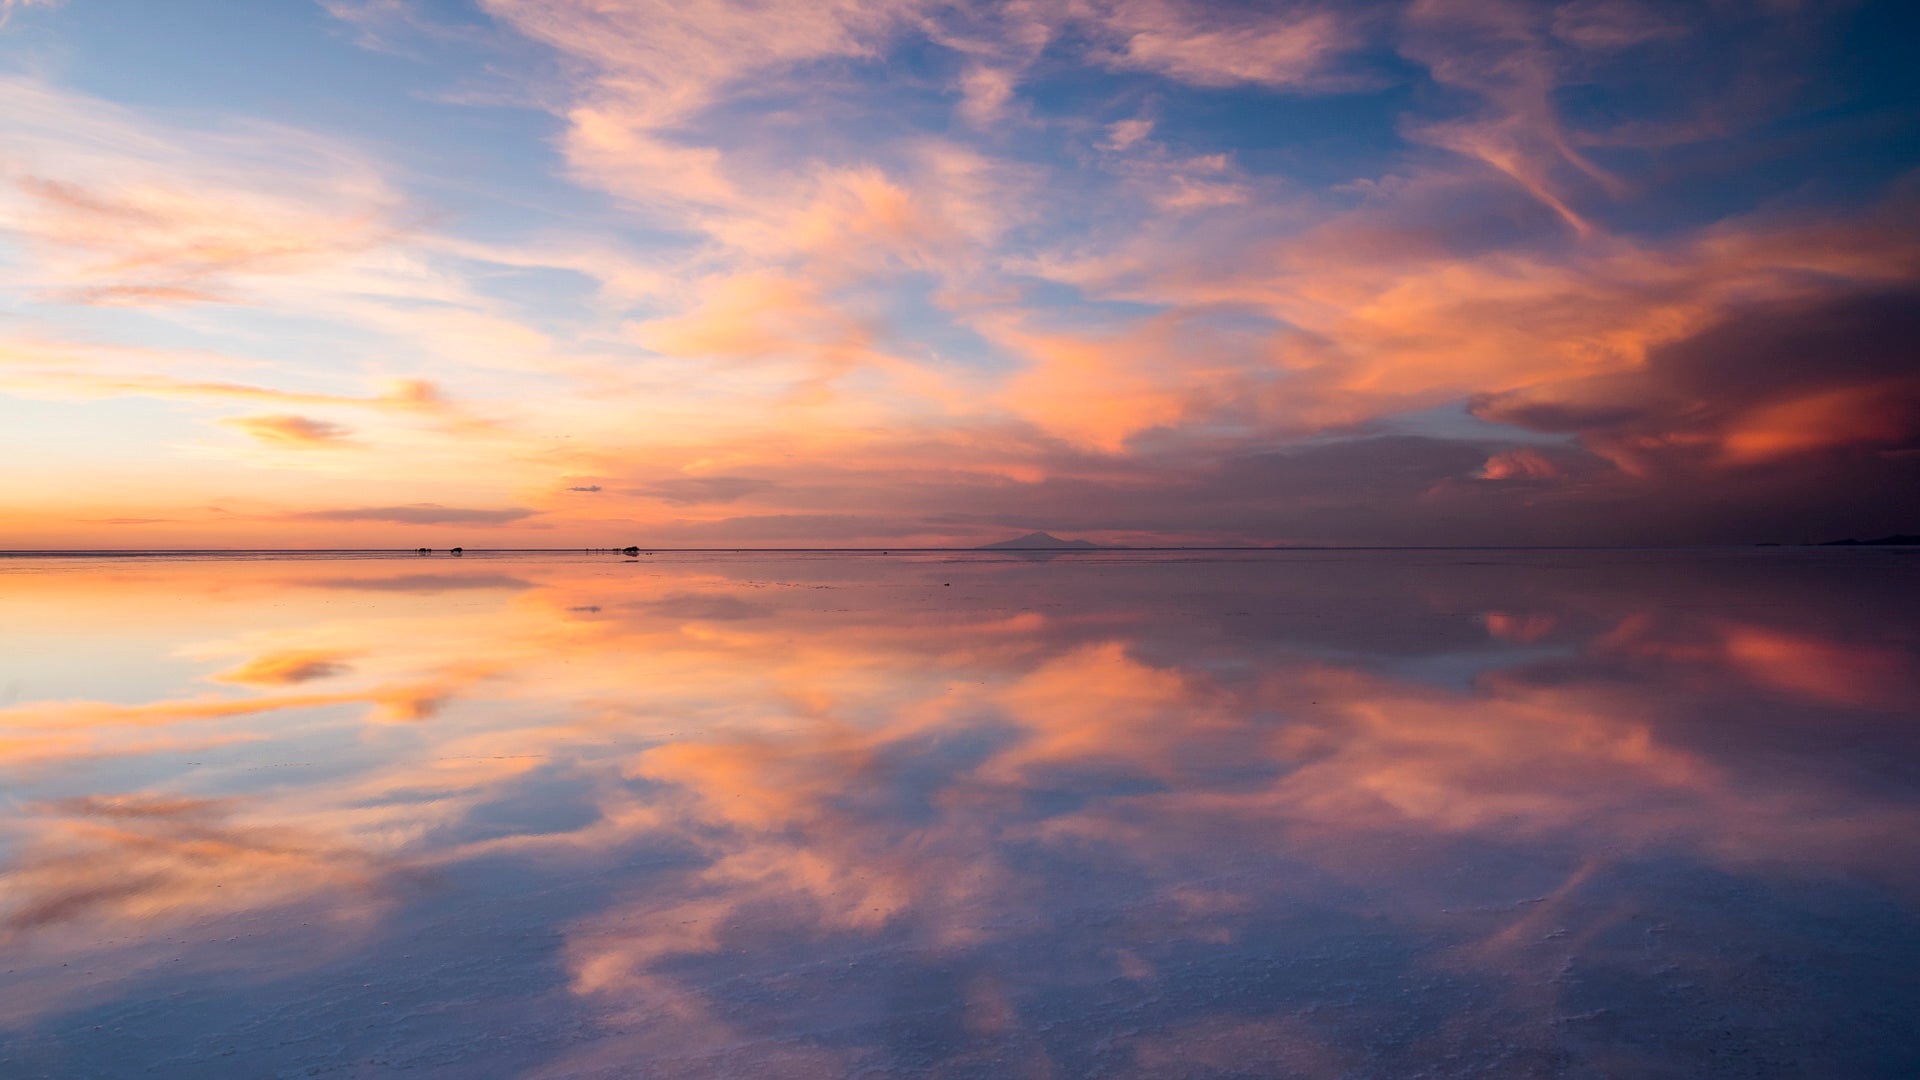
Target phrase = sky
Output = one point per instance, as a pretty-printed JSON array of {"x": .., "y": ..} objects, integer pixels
[{"x": 561, "y": 273}]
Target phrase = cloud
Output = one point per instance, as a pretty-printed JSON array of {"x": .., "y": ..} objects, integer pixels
[
  {"x": 1290, "y": 45},
  {"x": 1612, "y": 24},
  {"x": 390, "y": 26},
  {"x": 985, "y": 94},
  {"x": 8, "y": 7},
  {"x": 125, "y": 214},
  {"x": 1495, "y": 50},
  {"x": 1521, "y": 463},
  {"x": 1123, "y": 134},
  {"x": 71, "y": 717},
  {"x": 1830, "y": 378},
  {"x": 60, "y": 372},
  {"x": 777, "y": 529},
  {"x": 762, "y": 316},
  {"x": 138, "y": 295},
  {"x": 284, "y": 668},
  {"x": 71, "y": 369},
  {"x": 652, "y": 66},
  {"x": 589, "y": 488},
  {"x": 420, "y": 514},
  {"x": 292, "y": 431},
  {"x": 696, "y": 490}
]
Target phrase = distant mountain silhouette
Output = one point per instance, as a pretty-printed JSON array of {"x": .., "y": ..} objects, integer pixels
[
  {"x": 1901, "y": 540},
  {"x": 1038, "y": 541}
]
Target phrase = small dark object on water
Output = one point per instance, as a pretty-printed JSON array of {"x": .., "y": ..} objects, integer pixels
[
  {"x": 456, "y": 551},
  {"x": 630, "y": 550},
  {"x": 946, "y": 584},
  {"x": 424, "y": 551}
]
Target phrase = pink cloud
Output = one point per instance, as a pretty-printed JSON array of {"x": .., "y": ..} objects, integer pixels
[{"x": 292, "y": 431}]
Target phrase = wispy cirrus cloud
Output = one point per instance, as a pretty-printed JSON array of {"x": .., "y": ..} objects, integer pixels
[
  {"x": 421, "y": 514},
  {"x": 1296, "y": 46},
  {"x": 9, "y": 7},
  {"x": 122, "y": 214},
  {"x": 689, "y": 490}
]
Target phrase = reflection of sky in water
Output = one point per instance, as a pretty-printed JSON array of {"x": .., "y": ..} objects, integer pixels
[{"x": 1314, "y": 814}]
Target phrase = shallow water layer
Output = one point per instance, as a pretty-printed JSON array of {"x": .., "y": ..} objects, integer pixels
[{"x": 1316, "y": 814}]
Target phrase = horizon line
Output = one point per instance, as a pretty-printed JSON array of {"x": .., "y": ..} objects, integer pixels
[{"x": 988, "y": 549}]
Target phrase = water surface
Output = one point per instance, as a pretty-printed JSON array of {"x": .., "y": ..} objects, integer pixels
[{"x": 1316, "y": 814}]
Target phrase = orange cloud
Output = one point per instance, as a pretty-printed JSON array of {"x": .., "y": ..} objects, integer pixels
[
  {"x": 1817, "y": 669},
  {"x": 1886, "y": 414},
  {"x": 291, "y": 431},
  {"x": 1521, "y": 464},
  {"x": 1823, "y": 375},
  {"x": 762, "y": 317},
  {"x": 277, "y": 669},
  {"x": 114, "y": 860}
]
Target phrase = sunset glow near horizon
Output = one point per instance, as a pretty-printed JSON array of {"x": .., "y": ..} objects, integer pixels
[{"x": 549, "y": 273}]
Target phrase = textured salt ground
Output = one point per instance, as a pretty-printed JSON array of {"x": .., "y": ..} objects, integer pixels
[{"x": 1649, "y": 969}]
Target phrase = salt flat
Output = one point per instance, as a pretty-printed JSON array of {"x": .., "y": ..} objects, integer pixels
[{"x": 1322, "y": 814}]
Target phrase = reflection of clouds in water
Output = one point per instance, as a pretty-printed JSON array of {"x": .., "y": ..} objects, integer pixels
[
  {"x": 693, "y": 605},
  {"x": 1133, "y": 819},
  {"x": 279, "y": 668},
  {"x": 421, "y": 583},
  {"x": 100, "y": 890},
  {"x": 138, "y": 859}
]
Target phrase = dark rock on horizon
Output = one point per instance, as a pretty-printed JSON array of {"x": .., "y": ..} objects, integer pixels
[{"x": 1038, "y": 541}]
